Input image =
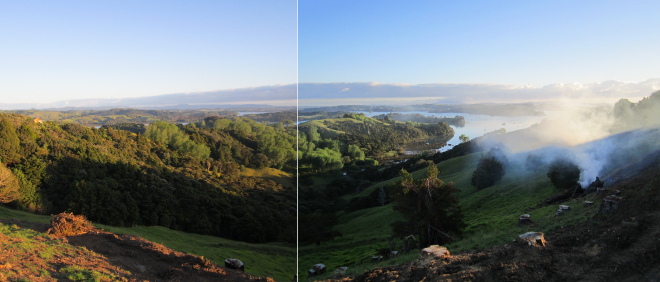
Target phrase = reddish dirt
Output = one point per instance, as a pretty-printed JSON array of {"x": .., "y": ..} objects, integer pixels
[
  {"x": 623, "y": 245},
  {"x": 145, "y": 260}
]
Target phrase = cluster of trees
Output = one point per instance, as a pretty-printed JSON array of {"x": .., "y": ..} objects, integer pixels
[
  {"x": 429, "y": 207},
  {"x": 376, "y": 137},
  {"x": 121, "y": 178},
  {"x": 169, "y": 135}
]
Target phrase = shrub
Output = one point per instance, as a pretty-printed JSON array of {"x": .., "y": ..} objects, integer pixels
[
  {"x": 67, "y": 224},
  {"x": 489, "y": 171},
  {"x": 563, "y": 173}
]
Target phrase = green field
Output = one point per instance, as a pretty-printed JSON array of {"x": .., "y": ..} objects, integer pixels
[
  {"x": 273, "y": 260},
  {"x": 491, "y": 215}
]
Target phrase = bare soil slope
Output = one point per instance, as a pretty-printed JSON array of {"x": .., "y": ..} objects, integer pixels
[{"x": 622, "y": 245}]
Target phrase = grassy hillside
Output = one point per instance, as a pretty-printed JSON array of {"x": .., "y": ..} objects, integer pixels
[
  {"x": 491, "y": 215},
  {"x": 271, "y": 260}
]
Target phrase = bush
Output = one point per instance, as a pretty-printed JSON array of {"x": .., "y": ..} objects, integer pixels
[
  {"x": 563, "y": 174},
  {"x": 67, "y": 224},
  {"x": 489, "y": 171}
]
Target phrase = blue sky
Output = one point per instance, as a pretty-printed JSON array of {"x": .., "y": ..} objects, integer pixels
[
  {"x": 58, "y": 50},
  {"x": 502, "y": 42}
]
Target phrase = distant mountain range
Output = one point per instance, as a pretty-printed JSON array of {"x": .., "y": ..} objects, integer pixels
[
  {"x": 262, "y": 97},
  {"x": 374, "y": 93}
]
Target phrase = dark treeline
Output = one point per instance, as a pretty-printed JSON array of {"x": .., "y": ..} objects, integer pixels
[
  {"x": 525, "y": 109},
  {"x": 117, "y": 116},
  {"x": 286, "y": 117},
  {"x": 185, "y": 177},
  {"x": 456, "y": 121}
]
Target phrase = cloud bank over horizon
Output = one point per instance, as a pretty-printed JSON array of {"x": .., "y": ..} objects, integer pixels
[
  {"x": 275, "y": 95},
  {"x": 346, "y": 93}
]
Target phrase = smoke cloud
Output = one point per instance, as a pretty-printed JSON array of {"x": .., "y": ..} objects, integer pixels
[{"x": 602, "y": 143}]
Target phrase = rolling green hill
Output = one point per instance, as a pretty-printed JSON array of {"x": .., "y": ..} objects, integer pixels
[{"x": 491, "y": 215}]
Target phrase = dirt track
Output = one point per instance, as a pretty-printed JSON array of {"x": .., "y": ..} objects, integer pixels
[{"x": 623, "y": 245}]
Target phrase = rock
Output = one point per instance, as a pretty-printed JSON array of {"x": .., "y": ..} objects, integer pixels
[
  {"x": 317, "y": 269},
  {"x": 376, "y": 258},
  {"x": 394, "y": 254},
  {"x": 617, "y": 193},
  {"x": 600, "y": 191},
  {"x": 436, "y": 251},
  {"x": 234, "y": 264},
  {"x": 559, "y": 212},
  {"x": 588, "y": 203},
  {"x": 532, "y": 239},
  {"x": 341, "y": 270},
  {"x": 524, "y": 219}
]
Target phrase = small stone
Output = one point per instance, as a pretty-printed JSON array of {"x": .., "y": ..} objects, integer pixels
[{"x": 588, "y": 203}]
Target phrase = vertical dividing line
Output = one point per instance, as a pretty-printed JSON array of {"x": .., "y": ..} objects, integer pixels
[{"x": 297, "y": 148}]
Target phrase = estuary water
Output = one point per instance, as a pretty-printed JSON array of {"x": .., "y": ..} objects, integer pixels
[{"x": 475, "y": 125}]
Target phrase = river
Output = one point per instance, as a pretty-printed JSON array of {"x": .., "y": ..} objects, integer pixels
[{"x": 475, "y": 125}]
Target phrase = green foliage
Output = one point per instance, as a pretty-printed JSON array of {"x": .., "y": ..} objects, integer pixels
[
  {"x": 169, "y": 135},
  {"x": 313, "y": 134},
  {"x": 9, "y": 186},
  {"x": 324, "y": 159},
  {"x": 430, "y": 209},
  {"x": 77, "y": 273},
  {"x": 376, "y": 137},
  {"x": 355, "y": 153},
  {"x": 9, "y": 142},
  {"x": 488, "y": 172},
  {"x": 563, "y": 173},
  {"x": 120, "y": 178},
  {"x": 464, "y": 138}
]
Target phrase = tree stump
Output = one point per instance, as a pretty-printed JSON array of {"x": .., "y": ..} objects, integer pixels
[
  {"x": 341, "y": 270},
  {"x": 600, "y": 191},
  {"x": 376, "y": 258},
  {"x": 532, "y": 239},
  {"x": 317, "y": 269},
  {"x": 588, "y": 203},
  {"x": 609, "y": 203},
  {"x": 564, "y": 207},
  {"x": 234, "y": 264},
  {"x": 436, "y": 251},
  {"x": 617, "y": 193},
  {"x": 524, "y": 219},
  {"x": 394, "y": 254}
]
